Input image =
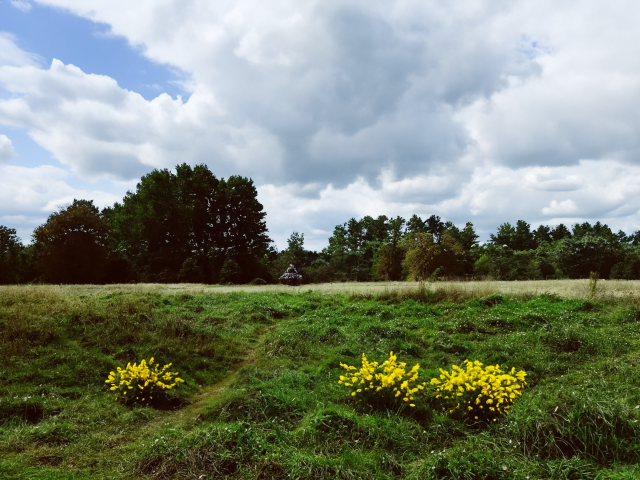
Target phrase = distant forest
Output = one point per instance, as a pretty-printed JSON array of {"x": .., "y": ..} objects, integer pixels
[{"x": 190, "y": 226}]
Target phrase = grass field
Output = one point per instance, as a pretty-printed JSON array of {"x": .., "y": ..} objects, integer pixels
[
  {"x": 619, "y": 289},
  {"x": 261, "y": 398}
]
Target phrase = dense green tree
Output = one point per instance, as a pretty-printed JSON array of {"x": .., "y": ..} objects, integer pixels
[
  {"x": 577, "y": 257},
  {"x": 628, "y": 268},
  {"x": 295, "y": 249},
  {"x": 426, "y": 257},
  {"x": 354, "y": 247},
  {"x": 523, "y": 239},
  {"x": 71, "y": 245},
  {"x": 151, "y": 227},
  {"x": 514, "y": 238},
  {"x": 634, "y": 238},
  {"x": 435, "y": 227},
  {"x": 559, "y": 232},
  {"x": 188, "y": 223},
  {"x": 388, "y": 264},
  {"x": 240, "y": 218},
  {"x": 504, "y": 236},
  {"x": 598, "y": 230},
  {"x": 11, "y": 252},
  {"x": 376, "y": 229},
  {"x": 389, "y": 257},
  {"x": 542, "y": 234},
  {"x": 468, "y": 240},
  {"x": 416, "y": 225},
  {"x": 502, "y": 263}
]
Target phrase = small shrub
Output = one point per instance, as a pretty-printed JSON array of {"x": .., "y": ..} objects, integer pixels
[
  {"x": 382, "y": 384},
  {"x": 480, "y": 394},
  {"x": 258, "y": 281},
  {"x": 593, "y": 284},
  {"x": 140, "y": 383}
]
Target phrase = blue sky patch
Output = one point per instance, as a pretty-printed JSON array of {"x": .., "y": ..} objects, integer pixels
[{"x": 54, "y": 33}]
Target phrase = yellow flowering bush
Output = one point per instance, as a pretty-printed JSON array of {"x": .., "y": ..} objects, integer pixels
[
  {"x": 382, "y": 383},
  {"x": 142, "y": 382},
  {"x": 480, "y": 394}
]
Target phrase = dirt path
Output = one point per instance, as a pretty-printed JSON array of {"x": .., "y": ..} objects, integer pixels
[{"x": 190, "y": 413}]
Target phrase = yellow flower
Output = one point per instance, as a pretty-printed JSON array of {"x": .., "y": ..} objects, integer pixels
[
  {"x": 378, "y": 379},
  {"x": 473, "y": 384},
  {"x": 144, "y": 376}
]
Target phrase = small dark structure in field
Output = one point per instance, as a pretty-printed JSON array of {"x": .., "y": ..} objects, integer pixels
[{"x": 291, "y": 277}]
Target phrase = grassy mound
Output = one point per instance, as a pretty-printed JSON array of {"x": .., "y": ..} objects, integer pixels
[{"x": 262, "y": 400}]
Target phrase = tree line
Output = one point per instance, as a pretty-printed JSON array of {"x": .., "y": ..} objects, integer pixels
[
  {"x": 190, "y": 226},
  {"x": 430, "y": 249}
]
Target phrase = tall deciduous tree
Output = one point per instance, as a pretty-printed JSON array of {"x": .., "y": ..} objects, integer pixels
[
  {"x": 71, "y": 245},
  {"x": 542, "y": 234},
  {"x": 389, "y": 259},
  {"x": 295, "y": 249},
  {"x": 468, "y": 240},
  {"x": 10, "y": 250},
  {"x": 560, "y": 231},
  {"x": 425, "y": 255},
  {"x": 184, "y": 225},
  {"x": 516, "y": 238}
]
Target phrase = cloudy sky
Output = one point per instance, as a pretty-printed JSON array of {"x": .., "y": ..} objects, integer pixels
[{"x": 478, "y": 110}]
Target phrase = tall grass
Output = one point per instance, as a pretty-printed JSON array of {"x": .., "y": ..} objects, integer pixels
[{"x": 608, "y": 289}]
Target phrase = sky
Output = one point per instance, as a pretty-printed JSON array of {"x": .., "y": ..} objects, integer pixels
[{"x": 486, "y": 111}]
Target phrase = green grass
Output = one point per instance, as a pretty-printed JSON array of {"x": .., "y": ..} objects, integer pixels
[{"x": 261, "y": 398}]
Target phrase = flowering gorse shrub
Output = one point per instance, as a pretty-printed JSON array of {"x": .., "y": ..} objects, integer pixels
[
  {"x": 142, "y": 382},
  {"x": 383, "y": 383},
  {"x": 480, "y": 394}
]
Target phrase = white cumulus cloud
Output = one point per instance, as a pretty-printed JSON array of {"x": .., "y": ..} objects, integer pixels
[
  {"x": 7, "y": 152},
  {"x": 560, "y": 209},
  {"x": 11, "y": 54},
  {"x": 101, "y": 130}
]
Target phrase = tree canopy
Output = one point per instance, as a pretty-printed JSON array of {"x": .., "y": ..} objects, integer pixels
[
  {"x": 186, "y": 224},
  {"x": 71, "y": 245},
  {"x": 10, "y": 256}
]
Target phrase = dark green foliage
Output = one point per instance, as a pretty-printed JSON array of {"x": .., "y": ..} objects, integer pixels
[
  {"x": 230, "y": 272},
  {"x": 598, "y": 230},
  {"x": 578, "y": 256},
  {"x": 355, "y": 244},
  {"x": 468, "y": 239},
  {"x": 505, "y": 264},
  {"x": 518, "y": 238},
  {"x": 428, "y": 259},
  {"x": 184, "y": 226},
  {"x": 560, "y": 231},
  {"x": 375, "y": 249},
  {"x": 71, "y": 246},
  {"x": 389, "y": 262},
  {"x": 518, "y": 254},
  {"x": 11, "y": 250},
  {"x": 542, "y": 234}
]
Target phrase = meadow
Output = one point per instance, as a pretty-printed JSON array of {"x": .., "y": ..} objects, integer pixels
[{"x": 261, "y": 366}]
